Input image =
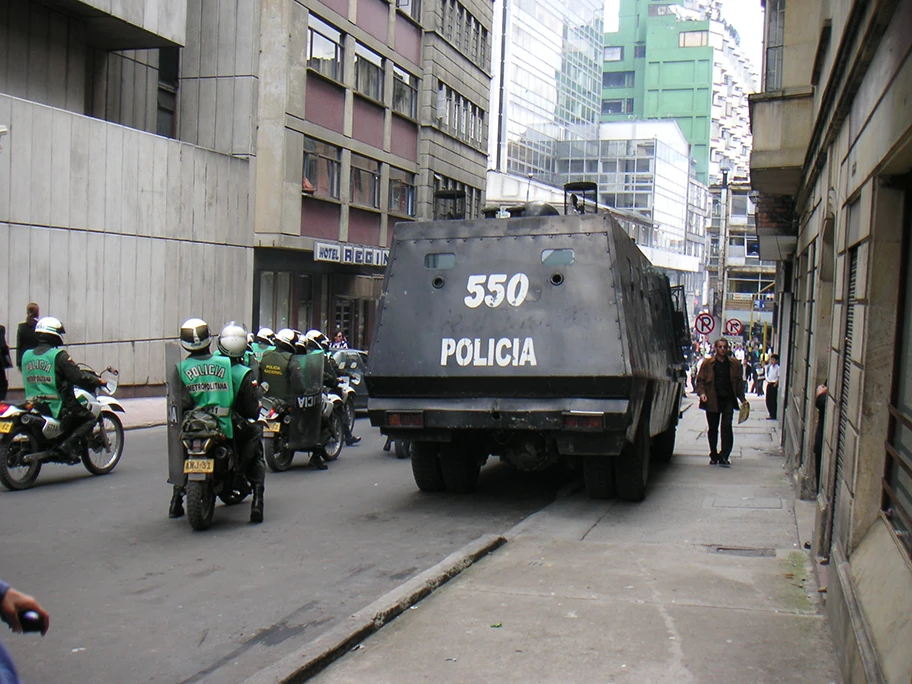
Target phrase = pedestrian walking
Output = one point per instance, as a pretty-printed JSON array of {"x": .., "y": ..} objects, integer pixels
[
  {"x": 25, "y": 335},
  {"x": 772, "y": 386},
  {"x": 5, "y": 362},
  {"x": 720, "y": 384},
  {"x": 749, "y": 379}
]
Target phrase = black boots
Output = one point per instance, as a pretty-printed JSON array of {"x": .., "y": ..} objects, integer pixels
[
  {"x": 316, "y": 461},
  {"x": 176, "y": 509},
  {"x": 256, "y": 506}
]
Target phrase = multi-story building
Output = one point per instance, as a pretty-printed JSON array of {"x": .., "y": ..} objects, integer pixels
[
  {"x": 241, "y": 160},
  {"x": 735, "y": 267},
  {"x": 544, "y": 89},
  {"x": 832, "y": 163},
  {"x": 680, "y": 60},
  {"x": 645, "y": 174}
]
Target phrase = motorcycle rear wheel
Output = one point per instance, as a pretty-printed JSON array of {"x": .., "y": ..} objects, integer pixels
[
  {"x": 108, "y": 437},
  {"x": 277, "y": 462},
  {"x": 331, "y": 450},
  {"x": 350, "y": 414},
  {"x": 19, "y": 443},
  {"x": 200, "y": 504}
]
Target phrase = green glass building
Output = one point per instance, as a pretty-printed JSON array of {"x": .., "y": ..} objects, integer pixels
[{"x": 679, "y": 60}]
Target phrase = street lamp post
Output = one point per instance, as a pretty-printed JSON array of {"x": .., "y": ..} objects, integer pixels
[{"x": 725, "y": 166}]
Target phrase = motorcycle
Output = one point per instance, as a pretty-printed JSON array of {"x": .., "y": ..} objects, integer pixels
[
  {"x": 30, "y": 435},
  {"x": 312, "y": 422},
  {"x": 211, "y": 468}
]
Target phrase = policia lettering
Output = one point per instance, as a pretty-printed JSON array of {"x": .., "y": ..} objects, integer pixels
[
  {"x": 39, "y": 378},
  {"x": 209, "y": 382},
  {"x": 503, "y": 352}
]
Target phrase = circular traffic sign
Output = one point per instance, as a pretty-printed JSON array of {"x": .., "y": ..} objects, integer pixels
[
  {"x": 732, "y": 326},
  {"x": 704, "y": 324}
]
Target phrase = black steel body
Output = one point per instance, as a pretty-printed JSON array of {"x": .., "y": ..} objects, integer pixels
[{"x": 493, "y": 329}]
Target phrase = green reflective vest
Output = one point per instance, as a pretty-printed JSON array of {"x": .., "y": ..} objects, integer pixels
[
  {"x": 238, "y": 371},
  {"x": 274, "y": 370},
  {"x": 210, "y": 382},
  {"x": 39, "y": 376},
  {"x": 259, "y": 349}
]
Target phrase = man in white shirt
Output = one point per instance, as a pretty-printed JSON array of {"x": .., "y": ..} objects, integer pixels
[{"x": 772, "y": 386}]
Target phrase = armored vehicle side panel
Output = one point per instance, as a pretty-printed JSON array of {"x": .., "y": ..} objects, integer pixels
[{"x": 533, "y": 339}]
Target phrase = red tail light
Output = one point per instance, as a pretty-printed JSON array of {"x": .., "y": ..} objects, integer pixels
[
  {"x": 584, "y": 421},
  {"x": 3, "y": 407},
  {"x": 413, "y": 419}
]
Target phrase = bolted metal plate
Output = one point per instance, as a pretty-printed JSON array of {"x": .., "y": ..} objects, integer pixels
[{"x": 745, "y": 551}]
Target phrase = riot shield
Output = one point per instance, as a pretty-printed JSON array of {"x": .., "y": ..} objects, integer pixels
[
  {"x": 306, "y": 375},
  {"x": 173, "y": 356}
]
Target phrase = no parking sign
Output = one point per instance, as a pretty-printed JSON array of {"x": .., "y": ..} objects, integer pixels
[{"x": 704, "y": 324}]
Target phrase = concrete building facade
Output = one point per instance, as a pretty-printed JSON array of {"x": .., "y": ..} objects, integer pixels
[
  {"x": 240, "y": 159},
  {"x": 680, "y": 60},
  {"x": 117, "y": 231},
  {"x": 832, "y": 162}
]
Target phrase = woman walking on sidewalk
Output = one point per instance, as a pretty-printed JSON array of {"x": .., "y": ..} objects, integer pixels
[{"x": 720, "y": 384}]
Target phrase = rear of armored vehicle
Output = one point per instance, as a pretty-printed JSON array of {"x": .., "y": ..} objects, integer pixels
[{"x": 534, "y": 340}]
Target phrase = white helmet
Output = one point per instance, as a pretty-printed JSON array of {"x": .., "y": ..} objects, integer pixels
[
  {"x": 232, "y": 341},
  {"x": 318, "y": 338},
  {"x": 52, "y": 327},
  {"x": 194, "y": 334},
  {"x": 285, "y": 340},
  {"x": 265, "y": 336}
]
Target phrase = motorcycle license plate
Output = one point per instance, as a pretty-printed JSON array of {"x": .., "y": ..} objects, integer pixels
[
  {"x": 5, "y": 426},
  {"x": 274, "y": 426},
  {"x": 199, "y": 465}
]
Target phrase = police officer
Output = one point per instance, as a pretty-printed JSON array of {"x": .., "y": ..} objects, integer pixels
[
  {"x": 49, "y": 372},
  {"x": 263, "y": 342},
  {"x": 330, "y": 375},
  {"x": 274, "y": 366},
  {"x": 195, "y": 338},
  {"x": 232, "y": 343}
]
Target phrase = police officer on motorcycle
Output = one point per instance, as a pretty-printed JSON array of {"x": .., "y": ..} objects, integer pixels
[
  {"x": 196, "y": 339},
  {"x": 274, "y": 366},
  {"x": 232, "y": 343},
  {"x": 49, "y": 374},
  {"x": 330, "y": 375},
  {"x": 263, "y": 342}
]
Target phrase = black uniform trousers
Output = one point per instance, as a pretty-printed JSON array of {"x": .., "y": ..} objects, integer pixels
[{"x": 249, "y": 443}]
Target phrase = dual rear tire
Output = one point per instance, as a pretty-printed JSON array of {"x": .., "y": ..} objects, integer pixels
[
  {"x": 439, "y": 467},
  {"x": 627, "y": 474}
]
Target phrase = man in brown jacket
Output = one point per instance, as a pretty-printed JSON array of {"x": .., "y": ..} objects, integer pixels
[{"x": 720, "y": 384}]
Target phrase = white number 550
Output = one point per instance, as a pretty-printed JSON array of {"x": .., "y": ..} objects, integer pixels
[{"x": 515, "y": 291}]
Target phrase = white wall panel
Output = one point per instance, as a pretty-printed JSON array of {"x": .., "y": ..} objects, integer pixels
[
  {"x": 227, "y": 36},
  {"x": 79, "y": 304},
  {"x": 144, "y": 184},
  {"x": 6, "y": 117},
  {"x": 59, "y": 264},
  {"x": 39, "y": 190},
  {"x": 61, "y": 147},
  {"x": 39, "y": 268},
  {"x": 79, "y": 172},
  {"x": 96, "y": 174},
  {"x": 129, "y": 210},
  {"x": 113, "y": 175},
  {"x": 7, "y": 307},
  {"x": 18, "y": 142}
]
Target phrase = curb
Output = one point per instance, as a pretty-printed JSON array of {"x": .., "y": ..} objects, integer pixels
[
  {"x": 336, "y": 642},
  {"x": 143, "y": 426}
]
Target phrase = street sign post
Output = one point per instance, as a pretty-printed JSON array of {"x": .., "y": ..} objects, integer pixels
[
  {"x": 704, "y": 324},
  {"x": 733, "y": 326}
]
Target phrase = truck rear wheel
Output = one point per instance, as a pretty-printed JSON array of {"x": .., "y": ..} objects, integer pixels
[
  {"x": 663, "y": 445},
  {"x": 459, "y": 468},
  {"x": 631, "y": 468},
  {"x": 426, "y": 466},
  {"x": 598, "y": 475}
]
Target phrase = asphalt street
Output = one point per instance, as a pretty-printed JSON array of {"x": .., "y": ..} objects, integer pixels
[{"x": 136, "y": 597}]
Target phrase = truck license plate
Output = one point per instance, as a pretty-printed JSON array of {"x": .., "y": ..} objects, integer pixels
[
  {"x": 5, "y": 426},
  {"x": 274, "y": 426},
  {"x": 199, "y": 465}
]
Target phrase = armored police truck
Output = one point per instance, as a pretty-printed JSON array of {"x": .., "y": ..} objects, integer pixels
[{"x": 535, "y": 340}]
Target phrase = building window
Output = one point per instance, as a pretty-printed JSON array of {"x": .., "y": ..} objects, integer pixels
[
  {"x": 639, "y": 51},
  {"x": 168, "y": 79},
  {"x": 612, "y": 106},
  {"x": 324, "y": 49},
  {"x": 613, "y": 54},
  {"x": 365, "y": 181},
  {"x": 658, "y": 11},
  {"x": 693, "y": 39},
  {"x": 411, "y": 8},
  {"x": 368, "y": 72},
  {"x": 321, "y": 169},
  {"x": 405, "y": 93},
  {"x": 775, "y": 40},
  {"x": 897, "y": 482},
  {"x": 401, "y": 192},
  {"x": 617, "y": 79}
]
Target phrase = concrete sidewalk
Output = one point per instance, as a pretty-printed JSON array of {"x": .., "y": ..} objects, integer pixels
[
  {"x": 705, "y": 581},
  {"x": 144, "y": 412}
]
